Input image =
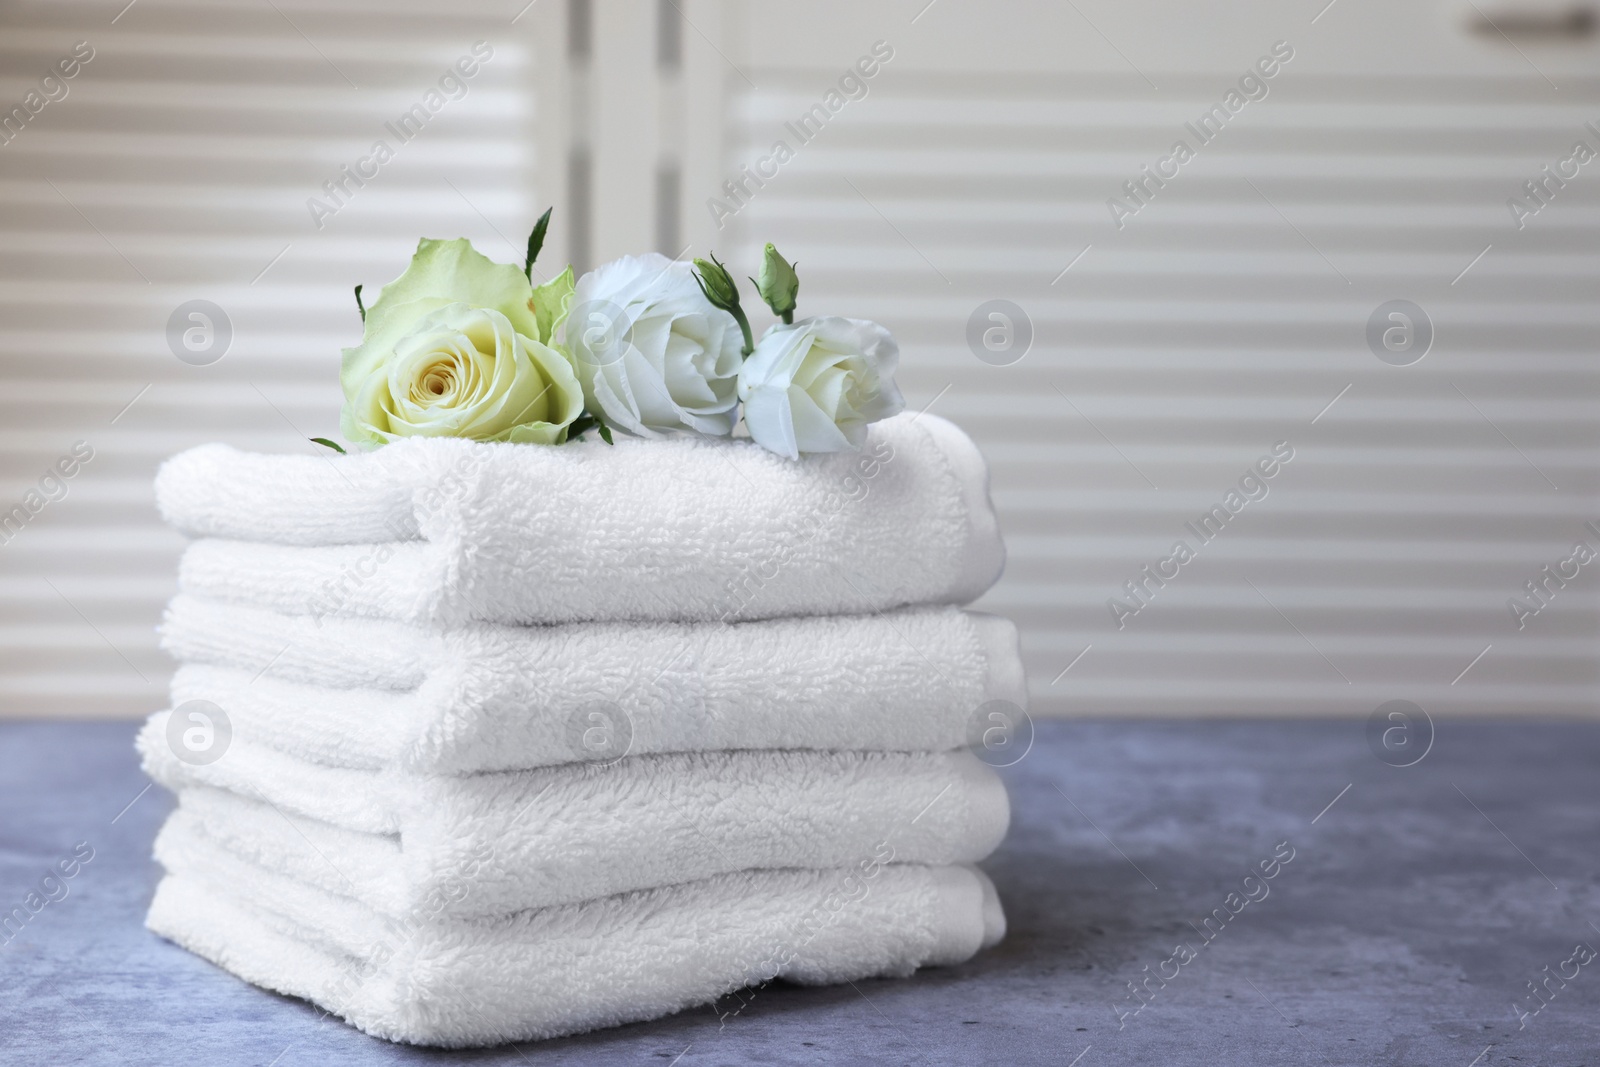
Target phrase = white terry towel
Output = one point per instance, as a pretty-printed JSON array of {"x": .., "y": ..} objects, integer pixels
[
  {"x": 370, "y": 694},
  {"x": 446, "y": 531},
  {"x": 564, "y": 970},
  {"x": 494, "y": 843}
]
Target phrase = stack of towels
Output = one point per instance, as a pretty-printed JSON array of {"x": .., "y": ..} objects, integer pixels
[{"x": 478, "y": 742}]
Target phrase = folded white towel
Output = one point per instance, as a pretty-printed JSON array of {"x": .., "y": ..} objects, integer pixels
[
  {"x": 447, "y": 531},
  {"x": 564, "y": 970},
  {"x": 533, "y": 838},
  {"x": 367, "y": 693}
]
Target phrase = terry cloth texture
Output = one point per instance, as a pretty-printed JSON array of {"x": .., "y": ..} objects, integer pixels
[
  {"x": 562, "y": 970},
  {"x": 371, "y": 694},
  {"x": 443, "y": 531},
  {"x": 568, "y": 833}
]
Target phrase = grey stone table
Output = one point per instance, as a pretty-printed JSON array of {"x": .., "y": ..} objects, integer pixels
[{"x": 1419, "y": 905}]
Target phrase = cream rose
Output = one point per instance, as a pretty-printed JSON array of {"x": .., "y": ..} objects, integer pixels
[
  {"x": 455, "y": 348},
  {"x": 814, "y": 385},
  {"x": 464, "y": 372}
]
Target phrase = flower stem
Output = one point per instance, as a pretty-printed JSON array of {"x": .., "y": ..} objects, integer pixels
[
  {"x": 744, "y": 327},
  {"x": 788, "y": 317}
]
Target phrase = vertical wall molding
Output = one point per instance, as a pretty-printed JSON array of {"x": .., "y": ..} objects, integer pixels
[
  {"x": 708, "y": 87},
  {"x": 635, "y": 100},
  {"x": 623, "y": 128}
]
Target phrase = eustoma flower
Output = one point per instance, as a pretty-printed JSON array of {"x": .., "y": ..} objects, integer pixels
[
  {"x": 813, "y": 386},
  {"x": 653, "y": 354}
]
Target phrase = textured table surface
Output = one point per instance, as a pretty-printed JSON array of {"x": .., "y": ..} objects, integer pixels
[{"x": 1414, "y": 914}]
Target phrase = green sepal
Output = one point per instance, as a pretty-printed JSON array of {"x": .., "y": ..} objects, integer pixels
[
  {"x": 536, "y": 242},
  {"x": 551, "y": 303}
]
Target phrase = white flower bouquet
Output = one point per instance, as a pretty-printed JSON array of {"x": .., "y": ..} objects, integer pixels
[{"x": 461, "y": 346}]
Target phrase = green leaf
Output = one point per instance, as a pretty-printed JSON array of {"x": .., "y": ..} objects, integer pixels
[
  {"x": 323, "y": 440},
  {"x": 536, "y": 242},
  {"x": 358, "y": 304},
  {"x": 586, "y": 422}
]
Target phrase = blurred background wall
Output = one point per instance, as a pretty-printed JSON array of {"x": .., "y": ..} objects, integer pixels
[{"x": 1127, "y": 330}]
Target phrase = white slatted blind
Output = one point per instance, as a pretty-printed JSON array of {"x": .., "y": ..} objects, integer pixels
[
  {"x": 178, "y": 167},
  {"x": 1223, "y": 318}
]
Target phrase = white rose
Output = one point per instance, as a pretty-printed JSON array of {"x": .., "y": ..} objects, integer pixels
[
  {"x": 652, "y": 354},
  {"x": 813, "y": 386}
]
